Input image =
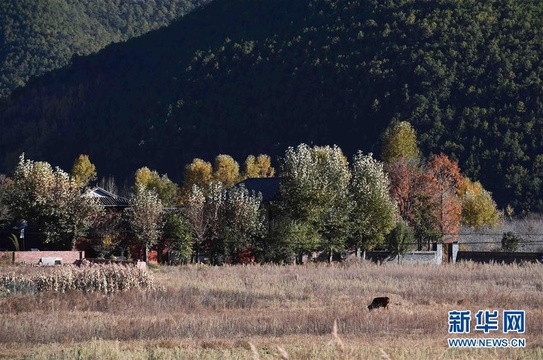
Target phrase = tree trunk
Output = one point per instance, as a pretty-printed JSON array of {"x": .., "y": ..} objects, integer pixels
[{"x": 198, "y": 252}]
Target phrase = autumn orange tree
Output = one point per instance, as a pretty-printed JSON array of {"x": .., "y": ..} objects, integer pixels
[
  {"x": 444, "y": 183},
  {"x": 427, "y": 192},
  {"x": 417, "y": 204},
  {"x": 408, "y": 183},
  {"x": 428, "y": 196}
]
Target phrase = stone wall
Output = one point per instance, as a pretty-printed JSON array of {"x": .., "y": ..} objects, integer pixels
[
  {"x": 412, "y": 257},
  {"x": 499, "y": 257},
  {"x": 34, "y": 257}
]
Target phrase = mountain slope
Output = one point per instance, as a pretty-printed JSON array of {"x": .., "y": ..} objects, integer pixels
[
  {"x": 244, "y": 77},
  {"x": 39, "y": 36}
]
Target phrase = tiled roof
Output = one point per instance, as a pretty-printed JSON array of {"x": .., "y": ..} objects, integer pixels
[{"x": 107, "y": 199}]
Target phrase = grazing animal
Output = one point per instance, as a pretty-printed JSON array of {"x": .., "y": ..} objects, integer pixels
[{"x": 379, "y": 302}]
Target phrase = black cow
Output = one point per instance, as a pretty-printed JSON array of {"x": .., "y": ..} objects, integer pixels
[{"x": 379, "y": 302}]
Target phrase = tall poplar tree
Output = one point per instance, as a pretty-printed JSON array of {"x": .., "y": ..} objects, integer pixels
[
  {"x": 258, "y": 167},
  {"x": 51, "y": 200},
  {"x": 145, "y": 218},
  {"x": 202, "y": 211},
  {"x": 242, "y": 222},
  {"x": 83, "y": 171},
  {"x": 444, "y": 181},
  {"x": 399, "y": 141},
  {"x": 314, "y": 191},
  {"x": 226, "y": 170},
  {"x": 167, "y": 190},
  {"x": 478, "y": 207},
  {"x": 374, "y": 213},
  {"x": 199, "y": 173}
]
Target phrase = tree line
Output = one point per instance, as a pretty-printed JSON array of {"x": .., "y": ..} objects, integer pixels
[{"x": 324, "y": 203}]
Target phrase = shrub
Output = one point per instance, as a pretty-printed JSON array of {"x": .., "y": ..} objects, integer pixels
[
  {"x": 510, "y": 241},
  {"x": 401, "y": 239}
]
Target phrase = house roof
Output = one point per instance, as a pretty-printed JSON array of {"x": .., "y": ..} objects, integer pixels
[
  {"x": 268, "y": 187},
  {"x": 107, "y": 198}
]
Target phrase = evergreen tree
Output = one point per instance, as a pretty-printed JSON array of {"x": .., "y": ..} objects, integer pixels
[
  {"x": 5, "y": 212},
  {"x": 400, "y": 240},
  {"x": 176, "y": 235}
]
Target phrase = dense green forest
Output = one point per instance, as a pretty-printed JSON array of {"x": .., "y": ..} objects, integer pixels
[
  {"x": 245, "y": 76},
  {"x": 41, "y": 35}
]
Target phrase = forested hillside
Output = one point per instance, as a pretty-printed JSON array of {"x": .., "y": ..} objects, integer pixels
[
  {"x": 242, "y": 77},
  {"x": 37, "y": 36}
]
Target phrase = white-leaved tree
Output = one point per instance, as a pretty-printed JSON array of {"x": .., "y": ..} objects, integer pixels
[
  {"x": 52, "y": 201},
  {"x": 145, "y": 217},
  {"x": 202, "y": 211},
  {"x": 375, "y": 213},
  {"x": 314, "y": 191},
  {"x": 242, "y": 222},
  {"x": 224, "y": 222}
]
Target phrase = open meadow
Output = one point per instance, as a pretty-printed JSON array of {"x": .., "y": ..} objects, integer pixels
[{"x": 275, "y": 312}]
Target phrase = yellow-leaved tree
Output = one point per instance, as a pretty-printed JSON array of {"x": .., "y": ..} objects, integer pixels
[
  {"x": 399, "y": 142},
  {"x": 167, "y": 190},
  {"x": 83, "y": 171},
  {"x": 258, "y": 167},
  {"x": 226, "y": 170},
  {"x": 199, "y": 173},
  {"x": 478, "y": 207}
]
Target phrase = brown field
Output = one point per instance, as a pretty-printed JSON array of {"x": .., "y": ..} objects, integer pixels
[{"x": 276, "y": 312}]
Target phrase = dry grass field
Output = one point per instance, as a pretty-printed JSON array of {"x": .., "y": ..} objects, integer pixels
[{"x": 275, "y": 312}]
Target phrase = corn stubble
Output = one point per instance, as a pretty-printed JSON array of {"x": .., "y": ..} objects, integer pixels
[
  {"x": 260, "y": 312},
  {"x": 105, "y": 279}
]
